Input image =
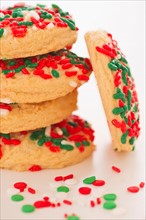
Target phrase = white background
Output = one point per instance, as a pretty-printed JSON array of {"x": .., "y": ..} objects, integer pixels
[{"x": 125, "y": 20}]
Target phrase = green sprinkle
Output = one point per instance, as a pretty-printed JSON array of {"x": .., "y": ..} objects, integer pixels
[
  {"x": 17, "y": 70},
  {"x": 123, "y": 138},
  {"x": 123, "y": 59},
  {"x": 109, "y": 205},
  {"x": 1, "y": 32},
  {"x": 6, "y": 71},
  {"x": 125, "y": 119},
  {"x": 7, "y": 136},
  {"x": 89, "y": 180},
  {"x": 55, "y": 73},
  {"x": 129, "y": 100},
  {"x": 28, "y": 208},
  {"x": 17, "y": 197},
  {"x": 65, "y": 132},
  {"x": 117, "y": 111},
  {"x": 66, "y": 147},
  {"x": 86, "y": 143},
  {"x": 55, "y": 6},
  {"x": 110, "y": 196},
  {"x": 78, "y": 144},
  {"x": 35, "y": 135},
  {"x": 73, "y": 217},
  {"x": 12, "y": 63},
  {"x": 45, "y": 15},
  {"x": 41, "y": 141},
  {"x": 63, "y": 189},
  {"x": 124, "y": 77},
  {"x": 41, "y": 5},
  {"x": 133, "y": 148},
  {"x": 118, "y": 95},
  {"x": 112, "y": 66},
  {"x": 70, "y": 24},
  {"x": 86, "y": 124},
  {"x": 73, "y": 124},
  {"x": 32, "y": 65},
  {"x": 135, "y": 109},
  {"x": 27, "y": 23},
  {"x": 131, "y": 141}
]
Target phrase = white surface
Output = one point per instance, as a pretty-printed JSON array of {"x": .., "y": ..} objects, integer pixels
[{"x": 125, "y": 20}]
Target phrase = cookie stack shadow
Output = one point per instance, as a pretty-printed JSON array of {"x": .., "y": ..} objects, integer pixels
[{"x": 39, "y": 80}]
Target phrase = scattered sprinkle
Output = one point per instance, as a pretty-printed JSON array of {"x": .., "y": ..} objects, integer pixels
[
  {"x": 28, "y": 208},
  {"x": 89, "y": 180},
  {"x": 116, "y": 169},
  {"x": 63, "y": 189},
  {"x": 84, "y": 190},
  {"x": 17, "y": 198},
  {"x": 133, "y": 189},
  {"x": 109, "y": 205}
]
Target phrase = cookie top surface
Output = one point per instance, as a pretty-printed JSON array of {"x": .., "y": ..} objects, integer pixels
[
  {"x": 125, "y": 113},
  {"x": 55, "y": 74},
  {"x": 19, "y": 18},
  {"x": 66, "y": 135}
]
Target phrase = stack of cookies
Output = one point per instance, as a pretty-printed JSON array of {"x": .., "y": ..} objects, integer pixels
[{"x": 39, "y": 79}]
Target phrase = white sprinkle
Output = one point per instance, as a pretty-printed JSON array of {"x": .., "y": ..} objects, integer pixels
[
  {"x": 4, "y": 112},
  {"x": 6, "y": 100},
  {"x": 66, "y": 142},
  {"x": 47, "y": 131},
  {"x": 118, "y": 56},
  {"x": 12, "y": 191},
  {"x": 49, "y": 26},
  {"x": 119, "y": 211},
  {"x": 1, "y": 15},
  {"x": 34, "y": 28},
  {"x": 32, "y": 14},
  {"x": 70, "y": 182},
  {"x": 5, "y": 32},
  {"x": 73, "y": 84},
  {"x": 61, "y": 195},
  {"x": 59, "y": 131}
]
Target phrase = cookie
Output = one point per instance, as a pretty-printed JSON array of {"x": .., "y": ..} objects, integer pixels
[
  {"x": 63, "y": 144},
  {"x": 20, "y": 117},
  {"x": 33, "y": 30},
  {"x": 42, "y": 78},
  {"x": 117, "y": 89}
]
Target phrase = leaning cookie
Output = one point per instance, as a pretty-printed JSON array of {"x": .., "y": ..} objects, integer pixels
[
  {"x": 20, "y": 117},
  {"x": 32, "y": 30},
  {"x": 42, "y": 78},
  {"x": 63, "y": 144},
  {"x": 117, "y": 89}
]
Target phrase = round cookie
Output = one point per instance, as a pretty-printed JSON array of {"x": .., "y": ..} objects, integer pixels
[
  {"x": 20, "y": 117},
  {"x": 117, "y": 89},
  {"x": 44, "y": 77},
  {"x": 63, "y": 144},
  {"x": 32, "y": 30}
]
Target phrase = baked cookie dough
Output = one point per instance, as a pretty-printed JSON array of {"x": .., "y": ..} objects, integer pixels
[
  {"x": 32, "y": 30},
  {"x": 63, "y": 144},
  {"x": 44, "y": 77},
  {"x": 20, "y": 117},
  {"x": 117, "y": 89}
]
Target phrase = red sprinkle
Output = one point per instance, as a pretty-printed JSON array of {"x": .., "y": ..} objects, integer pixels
[
  {"x": 98, "y": 183},
  {"x": 105, "y": 51},
  {"x": 70, "y": 176},
  {"x": 5, "y": 106},
  {"x": 98, "y": 200},
  {"x": 67, "y": 202},
  {"x": 1, "y": 153},
  {"x": 141, "y": 185},
  {"x": 31, "y": 190},
  {"x": 133, "y": 189},
  {"x": 116, "y": 123},
  {"x": 116, "y": 169},
  {"x": 20, "y": 185},
  {"x": 58, "y": 178},
  {"x": 83, "y": 77},
  {"x": 92, "y": 203},
  {"x": 35, "y": 168},
  {"x": 84, "y": 190}
]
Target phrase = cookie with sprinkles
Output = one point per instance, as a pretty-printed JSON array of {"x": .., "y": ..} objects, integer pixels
[
  {"x": 44, "y": 77},
  {"x": 21, "y": 117},
  {"x": 33, "y": 30},
  {"x": 117, "y": 89},
  {"x": 62, "y": 144}
]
